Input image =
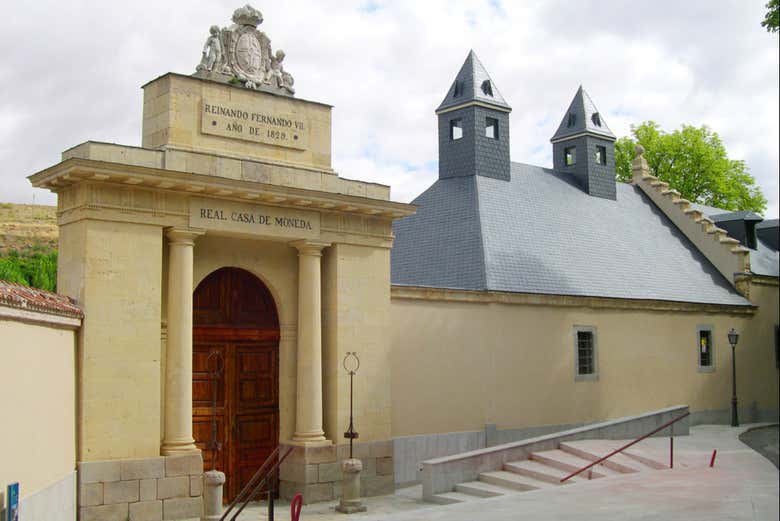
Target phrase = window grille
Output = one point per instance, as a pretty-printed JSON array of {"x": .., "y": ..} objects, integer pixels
[{"x": 585, "y": 359}]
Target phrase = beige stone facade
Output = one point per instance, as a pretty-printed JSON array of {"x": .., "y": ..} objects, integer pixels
[{"x": 510, "y": 360}]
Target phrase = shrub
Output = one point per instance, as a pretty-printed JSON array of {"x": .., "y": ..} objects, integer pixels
[{"x": 37, "y": 270}]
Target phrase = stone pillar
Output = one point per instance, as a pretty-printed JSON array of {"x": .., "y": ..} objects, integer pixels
[
  {"x": 212, "y": 495},
  {"x": 308, "y": 406},
  {"x": 350, "y": 487},
  {"x": 178, "y": 361}
]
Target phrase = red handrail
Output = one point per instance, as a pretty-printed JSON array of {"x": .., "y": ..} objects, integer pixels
[{"x": 624, "y": 447}]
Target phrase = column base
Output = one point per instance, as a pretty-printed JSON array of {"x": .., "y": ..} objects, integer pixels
[
  {"x": 178, "y": 448},
  {"x": 316, "y": 438},
  {"x": 323, "y": 442}
]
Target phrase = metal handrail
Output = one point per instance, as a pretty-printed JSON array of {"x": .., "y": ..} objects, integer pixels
[
  {"x": 624, "y": 447},
  {"x": 259, "y": 485},
  {"x": 251, "y": 483}
]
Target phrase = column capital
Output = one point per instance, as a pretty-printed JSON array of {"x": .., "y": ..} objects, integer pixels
[
  {"x": 309, "y": 247},
  {"x": 183, "y": 235}
]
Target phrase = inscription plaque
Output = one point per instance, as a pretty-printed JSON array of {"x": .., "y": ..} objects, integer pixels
[
  {"x": 231, "y": 120},
  {"x": 250, "y": 219}
]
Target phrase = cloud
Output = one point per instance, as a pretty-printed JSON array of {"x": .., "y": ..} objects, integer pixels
[{"x": 385, "y": 66}]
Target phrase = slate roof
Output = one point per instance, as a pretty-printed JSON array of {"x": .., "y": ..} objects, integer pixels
[
  {"x": 736, "y": 216},
  {"x": 579, "y": 118},
  {"x": 469, "y": 81},
  {"x": 768, "y": 223},
  {"x": 540, "y": 233}
]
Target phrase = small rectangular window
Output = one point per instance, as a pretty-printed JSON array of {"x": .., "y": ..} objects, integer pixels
[
  {"x": 456, "y": 128},
  {"x": 704, "y": 349},
  {"x": 601, "y": 155},
  {"x": 491, "y": 128},
  {"x": 585, "y": 353},
  {"x": 570, "y": 155}
]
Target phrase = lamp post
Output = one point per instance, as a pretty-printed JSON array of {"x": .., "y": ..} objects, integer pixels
[
  {"x": 733, "y": 339},
  {"x": 350, "y": 468}
]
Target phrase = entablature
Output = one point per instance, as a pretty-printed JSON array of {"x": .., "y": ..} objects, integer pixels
[{"x": 89, "y": 189}]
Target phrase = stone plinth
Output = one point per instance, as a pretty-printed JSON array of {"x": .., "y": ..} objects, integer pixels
[
  {"x": 350, "y": 487},
  {"x": 316, "y": 472},
  {"x": 147, "y": 489},
  {"x": 212, "y": 495}
]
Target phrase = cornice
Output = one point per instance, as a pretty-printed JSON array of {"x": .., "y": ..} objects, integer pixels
[
  {"x": 473, "y": 103},
  {"x": 74, "y": 171},
  {"x": 490, "y": 297}
]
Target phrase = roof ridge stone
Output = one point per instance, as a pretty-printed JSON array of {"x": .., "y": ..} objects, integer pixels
[{"x": 731, "y": 260}]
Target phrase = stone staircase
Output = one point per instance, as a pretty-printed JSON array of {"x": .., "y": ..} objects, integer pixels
[{"x": 545, "y": 469}]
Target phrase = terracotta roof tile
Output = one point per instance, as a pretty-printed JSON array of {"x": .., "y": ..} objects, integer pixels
[{"x": 18, "y": 296}]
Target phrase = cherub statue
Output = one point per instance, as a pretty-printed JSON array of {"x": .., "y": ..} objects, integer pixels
[
  {"x": 212, "y": 51},
  {"x": 276, "y": 74}
]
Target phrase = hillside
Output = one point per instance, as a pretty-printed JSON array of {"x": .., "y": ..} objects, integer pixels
[{"x": 27, "y": 228}]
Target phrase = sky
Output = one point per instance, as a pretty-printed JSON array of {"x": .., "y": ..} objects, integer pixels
[{"x": 72, "y": 72}]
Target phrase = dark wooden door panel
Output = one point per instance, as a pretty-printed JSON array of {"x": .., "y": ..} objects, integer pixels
[
  {"x": 235, "y": 316},
  {"x": 257, "y": 373}
]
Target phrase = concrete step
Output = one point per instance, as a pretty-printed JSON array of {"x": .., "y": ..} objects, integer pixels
[
  {"x": 569, "y": 462},
  {"x": 482, "y": 489},
  {"x": 539, "y": 471},
  {"x": 449, "y": 498},
  {"x": 512, "y": 481},
  {"x": 617, "y": 462},
  {"x": 644, "y": 459}
]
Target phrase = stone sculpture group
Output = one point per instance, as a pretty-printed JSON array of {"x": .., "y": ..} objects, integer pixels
[{"x": 242, "y": 53}]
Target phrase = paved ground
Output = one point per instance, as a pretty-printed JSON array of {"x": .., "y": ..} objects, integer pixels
[
  {"x": 742, "y": 485},
  {"x": 765, "y": 441}
]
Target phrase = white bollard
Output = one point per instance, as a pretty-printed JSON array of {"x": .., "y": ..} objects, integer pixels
[
  {"x": 212, "y": 495},
  {"x": 350, "y": 487}
]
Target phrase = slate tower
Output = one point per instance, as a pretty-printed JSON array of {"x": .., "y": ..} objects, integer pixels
[
  {"x": 473, "y": 126},
  {"x": 584, "y": 146}
]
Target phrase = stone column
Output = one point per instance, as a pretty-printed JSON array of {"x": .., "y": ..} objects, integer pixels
[
  {"x": 308, "y": 407},
  {"x": 178, "y": 361}
]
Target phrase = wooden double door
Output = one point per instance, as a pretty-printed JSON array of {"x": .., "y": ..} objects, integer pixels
[{"x": 235, "y": 374}]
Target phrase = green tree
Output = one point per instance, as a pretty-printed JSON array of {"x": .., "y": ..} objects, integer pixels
[
  {"x": 772, "y": 18},
  {"x": 695, "y": 163}
]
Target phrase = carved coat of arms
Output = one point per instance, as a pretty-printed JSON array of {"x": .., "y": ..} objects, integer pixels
[{"x": 242, "y": 54}]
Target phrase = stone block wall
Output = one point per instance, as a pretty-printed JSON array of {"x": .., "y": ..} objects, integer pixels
[
  {"x": 146, "y": 489},
  {"x": 315, "y": 472}
]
